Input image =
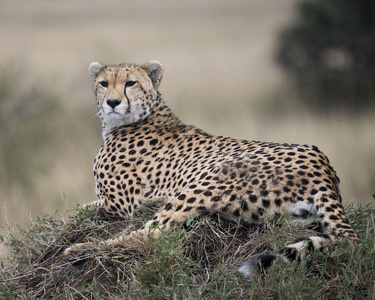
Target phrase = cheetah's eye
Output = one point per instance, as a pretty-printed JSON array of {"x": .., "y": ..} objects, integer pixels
[
  {"x": 130, "y": 83},
  {"x": 104, "y": 84}
]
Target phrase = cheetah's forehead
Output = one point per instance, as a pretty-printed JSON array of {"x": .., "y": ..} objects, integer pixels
[
  {"x": 116, "y": 71},
  {"x": 120, "y": 71}
]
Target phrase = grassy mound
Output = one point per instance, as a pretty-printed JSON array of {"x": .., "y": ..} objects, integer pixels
[{"x": 197, "y": 262}]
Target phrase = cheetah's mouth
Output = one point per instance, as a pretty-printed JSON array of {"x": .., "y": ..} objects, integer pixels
[{"x": 113, "y": 112}]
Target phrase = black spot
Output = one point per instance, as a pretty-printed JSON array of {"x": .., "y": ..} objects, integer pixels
[
  {"x": 166, "y": 220},
  {"x": 182, "y": 197},
  {"x": 203, "y": 176},
  {"x": 216, "y": 198},
  {"x": 202, "y": 209},
  {"x": 290, "y": 253},
  {"x": 244, "y": 205},
  {"x": 207, "y": 193},
  {"x": 191, "y": 200},
  {"x": 168, "y": 206},
  {"x": 153, "y": 142}
]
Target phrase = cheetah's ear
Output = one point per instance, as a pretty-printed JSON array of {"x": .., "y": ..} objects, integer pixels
[
  {"x": 155, "y": 71},
  {"x": 95, "y": 68}
]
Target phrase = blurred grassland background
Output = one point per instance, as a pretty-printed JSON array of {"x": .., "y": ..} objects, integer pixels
[{"x": 220, "y": 75}]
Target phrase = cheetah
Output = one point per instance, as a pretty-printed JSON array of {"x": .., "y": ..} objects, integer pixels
[{"x": 149, "y": 154}]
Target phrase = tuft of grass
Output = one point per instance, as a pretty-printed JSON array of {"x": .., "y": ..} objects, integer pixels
[{"x": 199, "y": 261}]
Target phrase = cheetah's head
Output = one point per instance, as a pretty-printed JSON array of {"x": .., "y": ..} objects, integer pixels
[{"x": 125, "y": 93}]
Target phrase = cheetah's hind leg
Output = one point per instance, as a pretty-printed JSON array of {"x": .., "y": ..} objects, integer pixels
[{"x": 332, "y": 224}]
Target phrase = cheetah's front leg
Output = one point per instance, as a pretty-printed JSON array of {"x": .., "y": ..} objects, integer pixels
[
  {"x": 196, "y": 199},
  {"x": 165, "y": 220},
  {"x": 174, "y": 214},
  {"x": 93, "y": 205},
  {"x": 126, "y": 241}
]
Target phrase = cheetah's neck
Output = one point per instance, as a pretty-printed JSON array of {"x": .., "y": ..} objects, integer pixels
[{"x": 161, "y": 115}]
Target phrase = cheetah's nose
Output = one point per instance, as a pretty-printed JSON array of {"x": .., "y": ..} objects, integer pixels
[{"x": 113, "y": 102}]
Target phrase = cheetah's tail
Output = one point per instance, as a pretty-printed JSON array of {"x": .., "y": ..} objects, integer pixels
[{"x": 296, "y": 251}]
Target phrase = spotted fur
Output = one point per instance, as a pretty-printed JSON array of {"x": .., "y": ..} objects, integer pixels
[{"x": 148, "y": 154}]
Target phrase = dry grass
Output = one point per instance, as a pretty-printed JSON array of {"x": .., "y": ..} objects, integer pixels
[{"x": 198, "y": 262}]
